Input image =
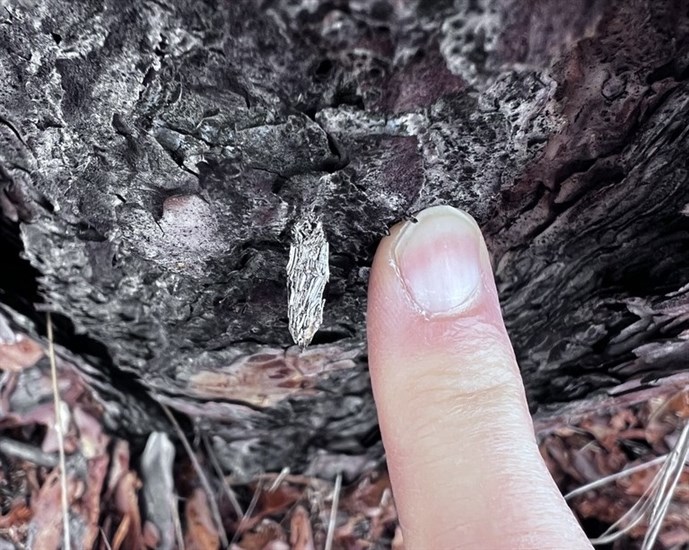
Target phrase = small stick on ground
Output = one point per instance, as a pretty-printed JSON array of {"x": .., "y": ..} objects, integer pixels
[{"x": 60, "y": 435}]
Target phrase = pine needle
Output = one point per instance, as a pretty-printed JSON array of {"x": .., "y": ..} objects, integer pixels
[
  {"x": 249, "y": 511},
  {"x": 333, "y": 513},
  {"x": 60, "y": 435},
  {"x": 178, "y": 531},
  {"x": 105, "y": 539},
  {"x": 229, "y": 493},
  {"x": 279, "y": 479}
]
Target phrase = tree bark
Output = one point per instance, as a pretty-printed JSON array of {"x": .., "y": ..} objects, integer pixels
[{"x": 155, "y": 156}]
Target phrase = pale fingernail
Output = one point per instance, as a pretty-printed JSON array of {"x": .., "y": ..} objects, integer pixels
[{"x": 439, "y": 259}]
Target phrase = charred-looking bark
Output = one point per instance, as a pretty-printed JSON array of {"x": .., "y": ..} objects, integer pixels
[{"x": 156, "y": 155}]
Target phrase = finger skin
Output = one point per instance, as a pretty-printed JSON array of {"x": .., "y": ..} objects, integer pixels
[{"x": 463, "y": 460}]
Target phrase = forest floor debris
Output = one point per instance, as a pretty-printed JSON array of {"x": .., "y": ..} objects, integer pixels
[{"x": 107, "y": 477}]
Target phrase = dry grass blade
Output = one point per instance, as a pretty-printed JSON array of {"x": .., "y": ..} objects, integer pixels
[
  {"x": 333, "y": 513},
  {"x": 633, "y": 516},
  {"x": 656, "y": 498},
  {"x": 675, "y": 463},
  {"x": 612, "y": 477},
  {"x": 60, "y": 435},
  {"x": 202, "y": 476}
]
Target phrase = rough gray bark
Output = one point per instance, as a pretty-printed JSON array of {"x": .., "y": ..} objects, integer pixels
[{"x": 155, "y": 155}]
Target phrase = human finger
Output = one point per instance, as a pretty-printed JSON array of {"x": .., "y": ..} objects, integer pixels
[{"x": 463, "y": 460}]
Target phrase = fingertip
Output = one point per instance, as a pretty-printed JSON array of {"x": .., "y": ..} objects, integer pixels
[{"x": 451, "y": 404}]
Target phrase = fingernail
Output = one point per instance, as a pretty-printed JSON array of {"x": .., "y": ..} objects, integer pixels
[{"x": 439, "y": 259}]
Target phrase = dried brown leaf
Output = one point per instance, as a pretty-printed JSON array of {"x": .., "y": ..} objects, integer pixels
[
  {"x": 127, "y": 506},
  {"x": 19, "y": 514},
  {"x": 45, "y": 529},
  {"x": 301, "y": 534},
  {"x": 20, "y": 354},
  {"x": 267, "y": 531}
]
